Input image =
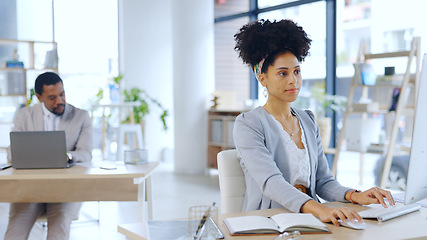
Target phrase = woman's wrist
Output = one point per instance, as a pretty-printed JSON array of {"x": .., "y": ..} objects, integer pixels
[
  {"x": 350, "y": 196},
  {"x": 313, "y": 207}
]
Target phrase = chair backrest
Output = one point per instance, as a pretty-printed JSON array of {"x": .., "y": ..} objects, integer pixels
[{"x": 231, "y": 181}]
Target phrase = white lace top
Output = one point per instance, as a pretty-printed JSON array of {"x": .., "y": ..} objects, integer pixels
[{"x": 300, "y": 165}]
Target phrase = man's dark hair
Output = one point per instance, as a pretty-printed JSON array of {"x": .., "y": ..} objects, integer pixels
[
  {"x": 47, "y": 78},
  {"x": 265, "y": 39}
]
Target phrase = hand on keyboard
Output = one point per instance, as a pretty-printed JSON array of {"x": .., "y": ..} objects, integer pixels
[
  {"x": 375, "y": 210},
  {"x": 372, "y": 196}
]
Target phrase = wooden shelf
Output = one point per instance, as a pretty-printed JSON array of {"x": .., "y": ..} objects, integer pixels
[
  {"x": 388, "y": 81},
  {"x": 387, "y": 55},
  {"x": 220, "y": 135},
  {"x": 329, "y": 151},
  {"x": 407, "y": 111},
  {"x": 5, "y": 41},
  {"x": 31, "y": 45},
  {"x": 11, "y": 74},
  {"x": 26, "y": 69},
  {"x": 405, "y": 82},
  {"x": 30, "y": 61},
  {"x": 395, "y": 153},
  {"x": 13, "y": 95}
]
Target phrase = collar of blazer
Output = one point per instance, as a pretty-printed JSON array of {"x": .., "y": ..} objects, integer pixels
[{"x": 39, "y": 115}]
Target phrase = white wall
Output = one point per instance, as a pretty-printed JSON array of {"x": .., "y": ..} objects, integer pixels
[
  {"x": 166, "y": 47},
  {"x": 193, "y": 46},
  {"x": 145, "y": 56}
]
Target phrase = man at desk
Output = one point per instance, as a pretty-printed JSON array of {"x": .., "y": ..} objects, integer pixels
[{"x": 52, "y": 113}]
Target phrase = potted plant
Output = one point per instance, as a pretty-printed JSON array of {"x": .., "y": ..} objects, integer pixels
[
  {"x": 138, "y": 111},
  {"x": 115, "y": 88},
  {"x": 141, "y": 96},
  {"x": 138, "y": 96}
]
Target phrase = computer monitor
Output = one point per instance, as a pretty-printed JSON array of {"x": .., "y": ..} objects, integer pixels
[{"x": 416, "y": 187}]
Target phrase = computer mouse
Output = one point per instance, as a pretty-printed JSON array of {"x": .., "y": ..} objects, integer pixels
[{"x": 354, "y": 225}]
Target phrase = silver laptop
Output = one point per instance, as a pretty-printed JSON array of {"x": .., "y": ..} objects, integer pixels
[{"x": 39, "y": 149}]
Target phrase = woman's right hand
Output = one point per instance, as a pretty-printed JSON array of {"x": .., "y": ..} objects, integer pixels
[{"x": 327, "y": 214}]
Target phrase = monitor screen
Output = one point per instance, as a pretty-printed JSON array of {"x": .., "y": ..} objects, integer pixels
[{"x": 416, "y": 187}]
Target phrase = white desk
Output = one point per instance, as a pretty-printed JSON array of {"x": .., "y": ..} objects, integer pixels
[
  {"x": 412, "y": 226},
  {"x": 82, "y": 182}
]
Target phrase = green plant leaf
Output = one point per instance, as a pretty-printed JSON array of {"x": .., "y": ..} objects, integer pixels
[
  {"x": 32, "y": 94},
  {"x": 141, "y": 96},
  {"x": 118, "y": 79}
]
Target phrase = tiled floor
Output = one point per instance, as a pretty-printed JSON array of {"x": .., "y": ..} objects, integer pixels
[{"x": 173, "y": 194}]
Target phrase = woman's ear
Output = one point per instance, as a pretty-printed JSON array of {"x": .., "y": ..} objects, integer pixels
[{"x": 262, "y": 80}]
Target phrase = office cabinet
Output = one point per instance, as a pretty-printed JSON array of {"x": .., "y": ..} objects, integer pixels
[{"x": 220, "y": 133}]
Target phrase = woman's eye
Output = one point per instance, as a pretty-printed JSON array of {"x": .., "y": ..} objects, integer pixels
[
  {"x": 282, "y": 74},
  {"x": 298, "y": 71}
]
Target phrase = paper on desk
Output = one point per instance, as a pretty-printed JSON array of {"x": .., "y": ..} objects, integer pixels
[{"x": 400, "y": 197}]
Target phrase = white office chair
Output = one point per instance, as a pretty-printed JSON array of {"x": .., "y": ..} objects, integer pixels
[{"x": 231, "y": 181}]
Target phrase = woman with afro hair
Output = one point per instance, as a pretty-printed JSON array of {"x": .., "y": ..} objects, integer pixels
[{"x": 279, "y": 147}]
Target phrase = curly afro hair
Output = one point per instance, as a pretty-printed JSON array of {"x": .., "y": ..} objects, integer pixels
[{"x": 261, "y": 39}]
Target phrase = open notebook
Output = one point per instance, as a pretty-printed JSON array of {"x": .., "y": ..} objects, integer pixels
[{"x": 279, "y": 223}]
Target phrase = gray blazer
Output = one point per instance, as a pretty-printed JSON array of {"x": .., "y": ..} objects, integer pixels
[
  {"x": 264, "y": 162},
  {"x": 75, "y": 122}
]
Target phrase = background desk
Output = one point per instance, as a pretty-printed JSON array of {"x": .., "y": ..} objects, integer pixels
[
  {"x": 82, "y": 182},
  {"x": 410, "y": 226}
]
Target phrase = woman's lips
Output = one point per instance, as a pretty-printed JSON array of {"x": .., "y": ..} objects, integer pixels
[{"x": 293, "y": 90}]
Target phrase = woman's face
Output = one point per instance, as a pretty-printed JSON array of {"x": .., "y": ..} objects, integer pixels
[{"x": 283, "y": 79}]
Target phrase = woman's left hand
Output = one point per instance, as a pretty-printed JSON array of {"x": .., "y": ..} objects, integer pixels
[{"x": 373, "y": 196}]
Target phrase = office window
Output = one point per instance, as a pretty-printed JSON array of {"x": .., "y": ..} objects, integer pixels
[
  {"x": 87, "y": 40},
  {"x": 270, "y": 3},
  {"x": 34, "y": 20},
  {"x": 231, "y": 75},
  {"x": 23, "y": 20},
  {"x": 229, "y": 7},
  {"x": 398, "y": 40},
  {"x": 382, "y": 25},
  {"x": 313, "y": 69},
  {"x": 20, "y": 20},
  {"x": 87, "y": 47}
]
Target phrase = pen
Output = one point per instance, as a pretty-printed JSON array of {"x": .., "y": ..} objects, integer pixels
[
  {"x": 5, "y": 166},
  {"x": 277, "y": 225},
  {"x": 200, "y": 228},
  {"x": 219, "y": 233}
]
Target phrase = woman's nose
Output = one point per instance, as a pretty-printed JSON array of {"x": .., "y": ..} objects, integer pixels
[{"x": 293, "y": 78}]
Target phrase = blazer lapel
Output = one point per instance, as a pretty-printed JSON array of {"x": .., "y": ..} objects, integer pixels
[
  {"x": 38, "y": 117},
  {"x": 64, "y": 117}
]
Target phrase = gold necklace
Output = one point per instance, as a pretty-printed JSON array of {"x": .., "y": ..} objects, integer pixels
[{"x": 291, "y": 133}]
